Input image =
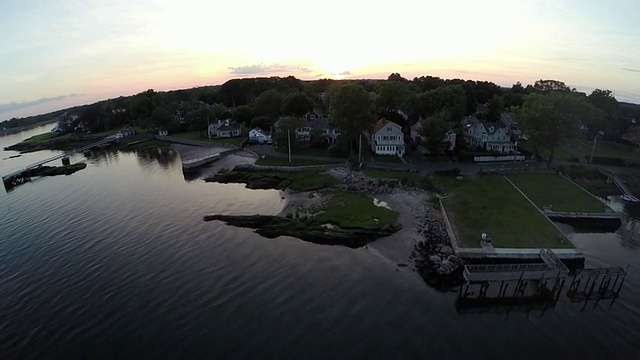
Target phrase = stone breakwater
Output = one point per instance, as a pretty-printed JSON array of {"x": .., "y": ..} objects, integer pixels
[
  {"x": 359, "y": 183},
  {"x": 435, "y": 260}
]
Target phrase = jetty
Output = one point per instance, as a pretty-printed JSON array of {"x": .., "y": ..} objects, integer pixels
[{"x": 16, "y": 176}]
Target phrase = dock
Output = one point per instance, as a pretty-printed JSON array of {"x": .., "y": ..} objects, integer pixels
[
  {"x": 534, "y": 286},
  {"x": 16, "y": 175},
  {"x": 626, "y": 193}
]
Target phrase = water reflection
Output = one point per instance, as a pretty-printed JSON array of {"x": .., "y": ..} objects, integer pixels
[{"x": 165, "y": 157}]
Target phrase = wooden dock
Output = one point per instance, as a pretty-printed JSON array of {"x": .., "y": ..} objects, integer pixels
[{"x": 16, "y": 174}]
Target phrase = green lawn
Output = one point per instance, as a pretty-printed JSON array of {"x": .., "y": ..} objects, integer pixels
[
  {"x": 354, "y": 210},
  {"x": 42, "y": 137},
  {"x": 581, "y": 148},
  {"x": 197, "y": 135},
  {"x": 560, "y": 193},
  {"x": 276, "y": 161},
  {"x": 308, "y": 151},
  {"x": 490, "y": 204}
]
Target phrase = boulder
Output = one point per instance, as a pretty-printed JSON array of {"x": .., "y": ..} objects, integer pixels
[{"x": 435, "y": 259}]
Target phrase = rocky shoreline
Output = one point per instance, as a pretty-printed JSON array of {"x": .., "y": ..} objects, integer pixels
[
  {"x": 435, "y": 260},
  {"x": 421, "y": 236}
]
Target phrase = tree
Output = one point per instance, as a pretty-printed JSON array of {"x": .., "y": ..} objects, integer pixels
[
  {"x": 396, "y": 77},
  {"x": 262, "y": 122},
  {"x": 297, "y": 104},
  {"x": 269, "y": 103},
  {"x": 603, "y": 99},
  {"x": 161, "y": 117},
  {"x": 550, "y": 85},
  {"x": 495, "y": 106},
  {"x": 451, "y": 98},
  {"x": 392, "y": 95},
  {"x": 351, "y": 110},
  {"x": 434, "y": 128},
  {"x": 198, "y": 119},
  {"x": 243, "y": 114},
  {"x": 287, "y": 130},
  {"x": 551, "y": 118}
]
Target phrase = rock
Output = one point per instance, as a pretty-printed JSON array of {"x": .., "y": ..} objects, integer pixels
[
  {"x": 435, "y": 259},
  {"x": 446, "y": 264},
  {"x": 446, "y": 250}
]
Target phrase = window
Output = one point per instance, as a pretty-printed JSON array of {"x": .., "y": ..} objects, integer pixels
[{"x": 389, "y": 128}]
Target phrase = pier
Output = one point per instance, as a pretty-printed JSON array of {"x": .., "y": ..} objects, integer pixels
[
  {"x": 16, "y": 176},
  {"x": 534, "y": 286},
  {"x": 626, "y": 193}
]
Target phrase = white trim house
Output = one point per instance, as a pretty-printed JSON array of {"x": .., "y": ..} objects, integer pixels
[
  {"x": 488, "y": 136},
  {"x": 386, "y": 138},
  {"x": 257, "y": 135}
]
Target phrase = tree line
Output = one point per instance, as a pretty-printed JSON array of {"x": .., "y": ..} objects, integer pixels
[{"x": 548, "y": 110}]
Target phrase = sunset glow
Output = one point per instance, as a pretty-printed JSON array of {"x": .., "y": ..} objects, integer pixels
[{"x": 75, "y": 52}]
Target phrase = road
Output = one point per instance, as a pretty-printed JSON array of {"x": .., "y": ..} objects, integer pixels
[{"x": 416, "y": 162}]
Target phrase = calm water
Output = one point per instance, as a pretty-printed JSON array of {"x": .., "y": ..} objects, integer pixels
[{"x": 115, "y": 262}]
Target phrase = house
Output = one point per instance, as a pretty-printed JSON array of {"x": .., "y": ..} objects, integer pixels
[
  {"x": 490, "y": 136},
  {"x": 313, "y": 115},
  {"x": 125, "y": 132},
  {"x": 386, "y": 138},
  {"x": 163, "y": 132},
  {"x": 319, "y": 124},
  {"x": 225, "y": 128},
  {"x": 257, "y": 135},
  {"x": 448, "y": 141}
]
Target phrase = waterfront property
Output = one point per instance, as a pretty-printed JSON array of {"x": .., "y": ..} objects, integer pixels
[
  {"x": 225, "y": 129},
  {"x": 257, "y": 135},
  {"x": 386, "y": 138},
  {"x": 486, "y": 135},
  {"x": 491, "y": 205}
]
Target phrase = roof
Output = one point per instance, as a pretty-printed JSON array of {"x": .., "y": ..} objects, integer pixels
[
  {"x": 260, "y": 131},
  {"x": 229, "y": 126},
  {"x": 382, "y": 123}
]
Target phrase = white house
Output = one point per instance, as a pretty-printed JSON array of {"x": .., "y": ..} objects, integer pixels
[
  {"x": 258, "y": 135},
  {"x": 125, "y": 132},
  {"x": 486, "y": 135},
  {"x": 386, "y": 138},
  {"x": 163, "y": 132},
  {"x": 225, "y": 128}
]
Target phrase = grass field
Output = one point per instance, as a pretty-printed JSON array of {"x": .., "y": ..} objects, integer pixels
[
  {"x": 197, "y": 135},
  {"x": 307, "y": 151},
  {"x": 490, "y": 204},
  {"x": 581, "y": 148},
  {"x": 354, "y": 210},
  {"x": 560, "y": 193}
]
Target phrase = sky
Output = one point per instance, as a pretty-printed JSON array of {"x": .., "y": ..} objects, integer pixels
[{"x": 56, "y": 54}]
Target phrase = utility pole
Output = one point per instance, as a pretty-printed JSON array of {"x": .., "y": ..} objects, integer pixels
[
  {"x": 289, "y": 142},
  {"x": 208, "y": 132},
  {"x": 593, "y": 148},
  {"x": 359, "y": 151}
]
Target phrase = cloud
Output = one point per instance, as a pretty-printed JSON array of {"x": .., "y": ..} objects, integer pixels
[
  {"x": 267, "y": 69},
  {"x": 632, "y": 70},
  {"x": 26, "y": 104},
  {"x": 343, "y": 73}
]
